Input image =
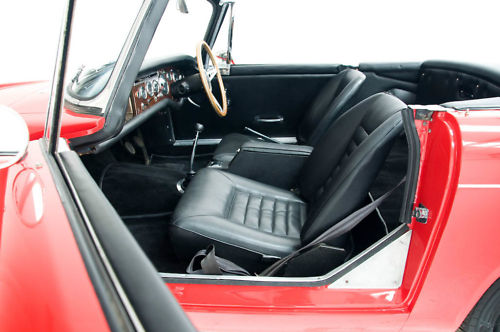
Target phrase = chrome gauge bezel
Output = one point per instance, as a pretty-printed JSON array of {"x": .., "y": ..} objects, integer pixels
[
  {"x": 149, "y": 88},
  {"x": 156, "y": 87},
  {"x": 141, "y": 93},
  {"x": 164, "y": 88}
]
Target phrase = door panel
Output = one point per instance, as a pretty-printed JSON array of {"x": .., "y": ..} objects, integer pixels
[
  {"x": 269, "y": 92},
  {"x": 265, "y": 91}
]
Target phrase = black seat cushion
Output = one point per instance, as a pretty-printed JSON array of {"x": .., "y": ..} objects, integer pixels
[
  {"x": 326, "y": 107},
  {"x": 232, "y": 210}
]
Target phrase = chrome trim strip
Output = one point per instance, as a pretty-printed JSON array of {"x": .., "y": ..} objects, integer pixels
[
  {"x": 334, "y": 275},
  {"x": 432, "y": 108},
  {"x": 53, "y": 119},
  {"x": 201, "y": 141},
  {"x": 100, "y": 250},
  {"x": 384, "y": 270},
  {"x": 215, "y": 141},
  {"x": 479, "y": 186}
]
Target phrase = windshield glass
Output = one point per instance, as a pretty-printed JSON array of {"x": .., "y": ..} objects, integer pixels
[
  {"x": 179, "y": 33},
  {"x": 98, "y": 34}
]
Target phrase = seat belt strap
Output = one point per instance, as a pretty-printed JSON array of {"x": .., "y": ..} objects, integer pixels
[
  {"x": 340, "y": 228},
  {"x": 210, "y": 264}
]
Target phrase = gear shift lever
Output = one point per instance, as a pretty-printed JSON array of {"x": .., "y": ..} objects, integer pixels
[{"x": 198, "y": 127}]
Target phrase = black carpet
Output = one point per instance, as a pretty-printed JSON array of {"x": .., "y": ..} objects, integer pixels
[
  {"x": 135, "y": 189},
  {"x": 152, "y": 235}
]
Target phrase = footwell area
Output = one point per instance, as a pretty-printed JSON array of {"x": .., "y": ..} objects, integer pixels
[
  {"x": 145, "y": 197},
  {"x": 152, "y": 235},
  {"x": 135, "y": 190}
]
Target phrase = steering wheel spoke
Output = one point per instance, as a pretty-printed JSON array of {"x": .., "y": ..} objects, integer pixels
[
  {"x": 211, "y": 73},
  {"x": 207, "y": 75}
]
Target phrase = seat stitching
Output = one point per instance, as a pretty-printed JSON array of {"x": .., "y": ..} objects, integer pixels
[
  {"x": 286, "y": 218},
  {"x": 363, "y": 129},
  {"x": 274, "y": 215},
  {"x": 260, "y": 212},
  {"x": 246, "y": 209},
  {"x": 299, "y": 217},
  {"x": 229, "y": 207},
  {"x": 303, "y": 215}
]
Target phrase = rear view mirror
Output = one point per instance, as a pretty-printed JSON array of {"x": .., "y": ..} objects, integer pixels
[
  {"x": 14, "y": 137},
  {"x": 182, "y": 6}
]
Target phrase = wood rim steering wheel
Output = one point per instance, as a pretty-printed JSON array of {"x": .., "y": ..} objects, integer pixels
[{"x": 207, "y": 76}]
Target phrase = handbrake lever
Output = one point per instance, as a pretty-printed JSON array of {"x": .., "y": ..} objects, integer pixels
[{"x": 264, "y": 137}]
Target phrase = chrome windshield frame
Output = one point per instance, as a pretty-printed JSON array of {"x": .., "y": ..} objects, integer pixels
[
  {"x": 100, "y": 102},
  {"x": 53, "y": 120}
]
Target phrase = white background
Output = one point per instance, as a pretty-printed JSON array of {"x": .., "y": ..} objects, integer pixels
[{"x": 272, "y": 31}]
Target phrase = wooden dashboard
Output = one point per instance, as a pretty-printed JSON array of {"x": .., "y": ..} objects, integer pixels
[{"x": 151, "y": 89}]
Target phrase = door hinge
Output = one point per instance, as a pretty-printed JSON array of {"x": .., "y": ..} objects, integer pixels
[{"x": 421, "y": 214}]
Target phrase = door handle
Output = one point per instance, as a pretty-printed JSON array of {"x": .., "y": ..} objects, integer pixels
[{"x": 269, "y": 118}]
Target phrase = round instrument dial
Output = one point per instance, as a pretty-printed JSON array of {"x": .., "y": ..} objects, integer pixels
[
  {"x": 149, "y": 88},
  {"x": 141, "y": 93},
  {"x": 162, "y": 81},
  {"x": 156, "y": 87}
]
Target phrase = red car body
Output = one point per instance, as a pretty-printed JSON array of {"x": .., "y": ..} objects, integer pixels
[
  {"x": 45, "y": 285},
  {"x": 30, "y": 99},
  {"x": 453, "y": 258}
]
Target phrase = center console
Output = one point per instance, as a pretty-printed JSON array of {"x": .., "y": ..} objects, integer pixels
[{"x": 271, "y": 163}]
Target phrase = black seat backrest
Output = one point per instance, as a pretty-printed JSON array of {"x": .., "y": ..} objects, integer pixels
[
  {"x": 328, "y": 105},
  {"x": 337, "y": 175}
]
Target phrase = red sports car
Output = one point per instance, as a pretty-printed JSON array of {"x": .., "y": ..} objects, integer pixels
[{"x": 191, "y": 192}]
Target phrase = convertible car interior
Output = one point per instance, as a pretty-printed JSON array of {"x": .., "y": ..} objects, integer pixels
[{"x": 300, "y": 149}]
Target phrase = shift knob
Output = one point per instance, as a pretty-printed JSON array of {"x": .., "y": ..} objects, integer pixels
[{"x": 199, "y": 127}]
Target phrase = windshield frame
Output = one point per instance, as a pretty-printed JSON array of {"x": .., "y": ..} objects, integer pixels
[
  {"x": 78, "y": 103},
  {"x": 111, "y": 102}
]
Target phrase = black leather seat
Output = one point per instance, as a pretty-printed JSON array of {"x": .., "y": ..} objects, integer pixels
[
  {"x": 248, "y": 220},
  {"x": 327, "y": 106}
]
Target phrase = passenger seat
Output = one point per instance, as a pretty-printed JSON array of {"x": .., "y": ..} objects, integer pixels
[
  {"x": 249, "y": 221},
  {"x": 327, "y": 107}
]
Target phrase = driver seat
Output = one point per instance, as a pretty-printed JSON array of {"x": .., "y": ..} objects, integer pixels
[
  {"x": 250, "y": 222},
  {"x": 327, "y": 107}
]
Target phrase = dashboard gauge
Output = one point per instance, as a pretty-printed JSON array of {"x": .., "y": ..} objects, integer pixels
[
  {"x": 141, "y": 93},
  {"x": 175, "y": 76},
  {"x": 156, "y": 87},
  {"x": 162, "y": 81},
  {"x": 181, "y": 76},
  {"x": 149, "y": 88}
]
